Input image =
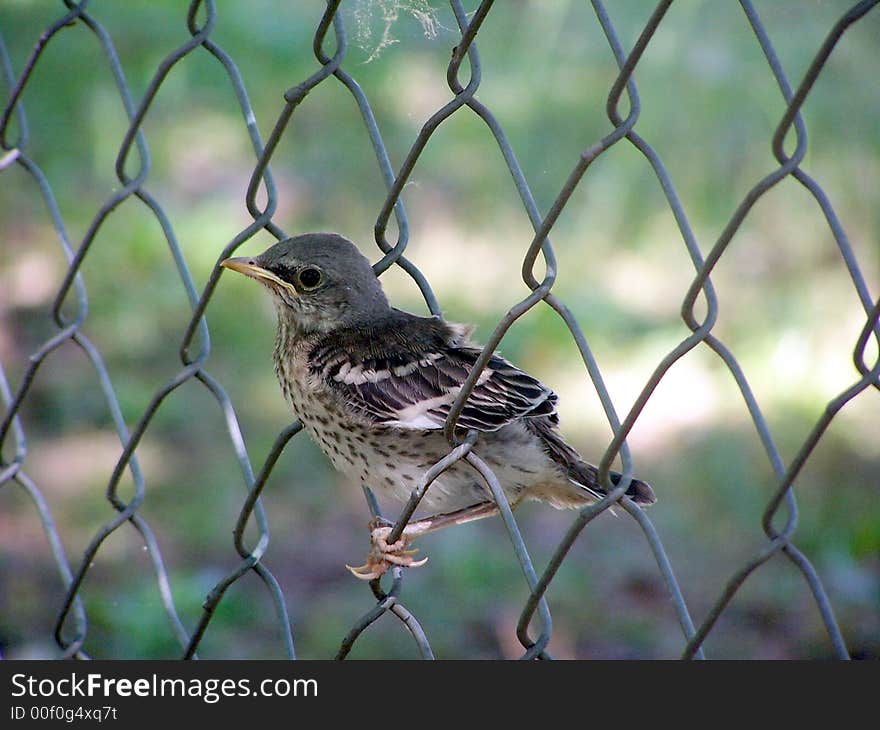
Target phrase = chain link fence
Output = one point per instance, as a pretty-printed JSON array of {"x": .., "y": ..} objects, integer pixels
[{"x": 699, "y": 312}]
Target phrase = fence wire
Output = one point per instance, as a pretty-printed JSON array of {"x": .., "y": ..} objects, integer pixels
[{"x": 70, "y": 311}]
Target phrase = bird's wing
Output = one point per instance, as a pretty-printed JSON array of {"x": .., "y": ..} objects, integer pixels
[{"x": 415, "y": 390}]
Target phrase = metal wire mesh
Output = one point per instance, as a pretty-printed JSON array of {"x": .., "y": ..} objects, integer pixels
[{"x": 70, "y": 311}]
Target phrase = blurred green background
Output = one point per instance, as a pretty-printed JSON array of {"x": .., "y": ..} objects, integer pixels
[{"x": 709, "y": 107}]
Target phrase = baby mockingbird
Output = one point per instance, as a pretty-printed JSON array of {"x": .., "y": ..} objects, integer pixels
[{"x": 373, "y": 386}]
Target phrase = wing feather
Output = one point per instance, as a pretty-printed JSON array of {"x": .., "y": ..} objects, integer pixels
[
  {"x": 406, "y": 372},
  {"x": 418, "y": 391}
]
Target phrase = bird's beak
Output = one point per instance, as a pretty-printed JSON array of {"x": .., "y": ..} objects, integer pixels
[{"x": 247, "y": 267}]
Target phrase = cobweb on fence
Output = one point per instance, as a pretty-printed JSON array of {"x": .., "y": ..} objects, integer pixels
[{"x": 387, "y": 13}]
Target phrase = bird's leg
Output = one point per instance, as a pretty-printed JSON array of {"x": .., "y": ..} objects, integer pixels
[
  {"x": 459, "y": 517},
  {"x": 384, "y": 555}
]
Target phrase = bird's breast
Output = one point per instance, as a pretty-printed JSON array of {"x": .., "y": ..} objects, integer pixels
[{"x": 291, "y": 367}]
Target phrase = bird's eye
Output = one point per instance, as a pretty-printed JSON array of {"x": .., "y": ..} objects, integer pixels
[{"x": 310, "y": 278}]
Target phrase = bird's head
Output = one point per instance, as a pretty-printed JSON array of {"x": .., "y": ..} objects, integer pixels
[{"x": 319, "y": 282}]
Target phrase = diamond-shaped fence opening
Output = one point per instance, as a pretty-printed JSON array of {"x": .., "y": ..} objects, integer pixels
[{"x": 130, "y": 376}]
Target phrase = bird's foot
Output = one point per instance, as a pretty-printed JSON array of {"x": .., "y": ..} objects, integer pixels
[{"x": 384, "y": 555}]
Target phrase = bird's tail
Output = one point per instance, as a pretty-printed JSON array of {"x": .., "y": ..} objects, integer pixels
[
  {"x": 580, "y": 473},
  {"x": 586, "y": 475}
]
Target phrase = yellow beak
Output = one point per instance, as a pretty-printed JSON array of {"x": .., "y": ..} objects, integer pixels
[{"x": 248, "y": 268}]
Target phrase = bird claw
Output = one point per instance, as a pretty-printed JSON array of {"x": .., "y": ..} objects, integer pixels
[
  {"x": 383, "y": 555},
  {"x": 364, "y": 572}
]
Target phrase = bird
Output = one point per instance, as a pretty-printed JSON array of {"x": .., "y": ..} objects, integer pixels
[{"x": 373, "y": 385}]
